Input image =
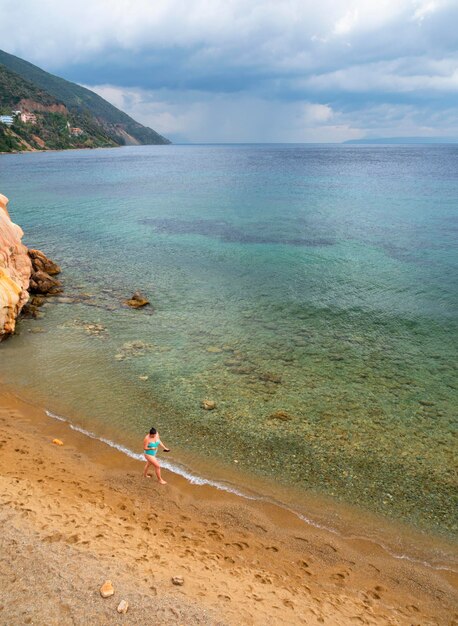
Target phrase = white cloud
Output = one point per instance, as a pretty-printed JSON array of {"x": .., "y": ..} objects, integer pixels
[
  {"x": 400, "y": 76},
  {"x": 346, "y": 23},
  {"x": 424, "y": 8},
  {"x": 268, "y": 31}
]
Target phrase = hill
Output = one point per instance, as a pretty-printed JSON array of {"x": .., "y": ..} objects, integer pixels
[
  {"x": 25, "y": 85},
  {"x": 49, "y": 127}
]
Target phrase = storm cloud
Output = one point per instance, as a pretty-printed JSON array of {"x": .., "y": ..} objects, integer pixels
[{"x": 239, "y": 70}]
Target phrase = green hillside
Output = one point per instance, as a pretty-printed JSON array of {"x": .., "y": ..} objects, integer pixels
[
  {"x": 81, "y": 101},
  {"x": 53, "y": 119},
  {"x": 13, "y": 89}
]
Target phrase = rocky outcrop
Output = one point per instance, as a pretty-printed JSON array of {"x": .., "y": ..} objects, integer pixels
[
  {"x": 15, "y": 271},
  {"x": 31, "y": 105},
  {"x": 22, "y": 271},
  {"x": 41, "y": 263},
  {"x": 137, "y": 301}
]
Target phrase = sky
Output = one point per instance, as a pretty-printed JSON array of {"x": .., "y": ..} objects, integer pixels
[{"x": 254, "y": 70}]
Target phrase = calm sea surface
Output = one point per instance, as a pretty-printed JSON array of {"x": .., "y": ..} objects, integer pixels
[{"x": 309, "y": 290}]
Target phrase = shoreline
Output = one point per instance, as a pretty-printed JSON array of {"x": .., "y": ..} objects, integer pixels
[
  {"x": 88, "y": 148},
  {"x": 222, "y": 545},
  {"x": 345, "y": 516},
  {"x": 396, "y": 537}
]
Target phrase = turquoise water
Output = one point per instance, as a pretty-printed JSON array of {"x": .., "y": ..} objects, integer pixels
[{"x": 310, "y": 291}]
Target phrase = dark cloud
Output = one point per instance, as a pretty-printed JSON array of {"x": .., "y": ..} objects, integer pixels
[{"x": 178, "y": 60}]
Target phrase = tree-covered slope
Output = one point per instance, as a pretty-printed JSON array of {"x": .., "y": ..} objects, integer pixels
[
  {"x": 77, "y": 99},
  {"x": 13, "y": 89},
  {"x": 51, "y": 129}
]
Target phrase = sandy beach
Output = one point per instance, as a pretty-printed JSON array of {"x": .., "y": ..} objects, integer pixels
[{"x": 76, "y": 515}]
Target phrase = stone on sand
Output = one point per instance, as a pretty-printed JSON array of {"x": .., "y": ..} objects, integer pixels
[
  {"x": 107, "y": 590},
  {"x": 178, "y": 580},
  {"x": 123, "y": 606},
  {"x": 58, "y": 442}
]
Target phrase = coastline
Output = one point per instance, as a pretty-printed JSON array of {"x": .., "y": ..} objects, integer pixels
[{"x": 243, "y": 561}]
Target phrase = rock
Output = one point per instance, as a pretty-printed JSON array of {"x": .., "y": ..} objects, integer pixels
[
  {"x": 137, "y": 301},
  {"x": 94, "y": 329},
  {"x": 232, "y": 363},
  {"x": 268, "y": 377},
  {"x": 244, "y": 369},
  {"x": 123, "y": 606},
  {"x": 37, "y": 300},
  {"x": 40, "y": 262},
  {"x": 144, "y": 377},
  {"x": 178, "y": 580},
  {"x": 65, "y": 300},
  {"x": 43, "y": 283},
  {"x": 280, "y": 415},
  {"x": 208, "y": 405},
  {"x": 214, "y": 350},
  {"x": 29, "y": 311},
  {"x": 58, "y": 442},
  {"x": 15, "y": 270},
  {"x": 107, "y": 590},
  {"x": 136, "y": 345},
  {"x": 133, "y": 349}
]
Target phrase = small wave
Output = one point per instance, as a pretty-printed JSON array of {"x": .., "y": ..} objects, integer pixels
[
  {"x": 176, "y": 469},
  {"x": 199, "y": 480}
]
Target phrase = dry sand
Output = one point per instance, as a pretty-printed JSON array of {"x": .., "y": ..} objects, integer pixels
[{"x": 73, "y": 516}]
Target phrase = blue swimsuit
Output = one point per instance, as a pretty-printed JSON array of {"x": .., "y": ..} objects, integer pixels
[{"x": 153, "y": 447}]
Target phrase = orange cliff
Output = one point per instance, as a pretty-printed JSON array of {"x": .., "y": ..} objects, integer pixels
[{"x": 15, "y": 271}]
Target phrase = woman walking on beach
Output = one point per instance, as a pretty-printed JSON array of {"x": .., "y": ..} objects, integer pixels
[{"x": 151, "y": 445}]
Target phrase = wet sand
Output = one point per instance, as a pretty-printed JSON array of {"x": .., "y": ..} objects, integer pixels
[{"x": 76, "y": 515}]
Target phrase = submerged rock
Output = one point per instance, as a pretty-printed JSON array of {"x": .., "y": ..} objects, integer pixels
[
  {"x": 94, "y": 329},
  {"x": 208, "y": 405},
  {"x": 214, "y": 350},
  {"x": 281, "y": 415},
  {"x": 137, "y": 300},
  {"x": 133, "y": 349},
  {"x": 268, "y": 377}
]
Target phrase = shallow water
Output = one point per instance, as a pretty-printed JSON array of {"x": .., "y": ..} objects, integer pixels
[{"x": 318, "y": 281}]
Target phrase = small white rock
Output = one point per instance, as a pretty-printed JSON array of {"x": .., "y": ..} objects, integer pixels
[{"x": 123, "y": 606}]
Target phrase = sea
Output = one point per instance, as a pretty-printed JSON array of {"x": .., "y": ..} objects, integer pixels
[{"x": 309, "y": 291}]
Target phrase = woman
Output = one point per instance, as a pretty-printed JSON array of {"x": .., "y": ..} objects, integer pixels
[{"x": 151, "y": 445}]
